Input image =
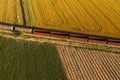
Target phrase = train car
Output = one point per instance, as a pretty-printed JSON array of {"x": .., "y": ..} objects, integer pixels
[
  {"x": 1, "y": 27},
  {"x": 78, "y": 37},
  {"x": 97, "y": 40},
  {"x": 7, "y": 28},
  {"x": 27, "y": 30},
  {"x": 23, "y": 29},
  {"x": 114, "y": 42},
  {"x": 41, "y": 32},
  {"x": 4, "y": 27},
  {"x": 59, "y": 35}
]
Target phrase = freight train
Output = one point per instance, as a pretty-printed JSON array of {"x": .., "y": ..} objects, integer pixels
[{"x": 61, "y": 34}]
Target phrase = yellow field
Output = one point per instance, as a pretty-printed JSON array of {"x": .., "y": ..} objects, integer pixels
[
  {"x": 10, "y": 11},
  {"x": 97, "y": 17}
]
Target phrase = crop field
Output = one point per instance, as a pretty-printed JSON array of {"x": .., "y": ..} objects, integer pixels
[
  {"x": 84, "y": 64},
  {"x": 10, "y": 11},
  {"x": 97, "y": 17},
  {"x": 22, "y": 60},
  {"x": 31, "y": 60}
]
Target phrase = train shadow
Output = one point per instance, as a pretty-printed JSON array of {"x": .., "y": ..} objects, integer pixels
[
  {"x": 30, "y": 60},
  {"x": 16, "y": 32},
  {"x": 51, "y": 62}
]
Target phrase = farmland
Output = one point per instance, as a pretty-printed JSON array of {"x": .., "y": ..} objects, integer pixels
[
  {"x": 22, "y": 60},
  {"x": 82, "y": 16},
  {"x": 32, "y": 60},
  {"x": 26, "y": 56},
  {"x": 84, "y": 64},
  {"x": 10, "y": 13}
]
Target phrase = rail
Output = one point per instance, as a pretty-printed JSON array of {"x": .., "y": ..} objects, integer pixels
[{"x": 64, "y": 34}]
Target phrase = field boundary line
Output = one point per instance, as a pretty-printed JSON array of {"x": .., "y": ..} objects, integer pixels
[
  {"x": 60, "y": 41},
  {"x": 23, "y": 12}
]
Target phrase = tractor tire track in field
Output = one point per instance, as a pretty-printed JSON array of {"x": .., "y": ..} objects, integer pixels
[
  {"x": 114, "y": 6},
  {"x": 10, "y": 12},
  {"x": 59, "y": 12},
  {"x": 99, "y": 28},
  {"x": 108, "y": 4},
  {"x": 41, "y": 13},
  {"x": 38, "y": 9},
  {"x": 48, "y": 13},
  {"x": 73, "y": 17},
  {"x": 29, "y": 14},
  {"x": 52, "y": 16},
  {"x": 118, "y": 1},
  {"x": 5, "y": 10},
  {"x": 95, "y": 17},
  {"x": 84, "y": 64},
  {"x": 117, "y": 29},
  {"x": 15, "y": 12},
  {"x": 54, "y": 6},
  {"x": 23, "y": 12}
]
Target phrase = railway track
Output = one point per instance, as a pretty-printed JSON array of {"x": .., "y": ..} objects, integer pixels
[
  {"x": 61, "y": 34},
  {"x": 54, "y": 9}
]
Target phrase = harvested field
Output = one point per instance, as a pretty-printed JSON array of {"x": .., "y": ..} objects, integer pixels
[
  {"x": 84, "y": 64},
  {"x": 29, "y": 59},
  {"x": 10, "y": 11},
  {"x": 82, "y": 16},
  {"x": 97, "y": 17}
]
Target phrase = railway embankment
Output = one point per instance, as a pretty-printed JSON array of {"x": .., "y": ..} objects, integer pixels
[{"x": 61, "y": 41}]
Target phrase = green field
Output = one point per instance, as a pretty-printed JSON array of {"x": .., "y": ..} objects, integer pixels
[
  {"x": 29, "y": 58},
  {"x": 22, "y": 60}
]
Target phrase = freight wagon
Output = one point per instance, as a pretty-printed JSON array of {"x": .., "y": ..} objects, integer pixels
[{"x": 61, "y": 34}]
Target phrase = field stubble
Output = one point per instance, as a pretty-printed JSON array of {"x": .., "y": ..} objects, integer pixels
[
  {"x": 82, "y": 16},
  {"x": 10, "y": 13},
  {"x": 84, "y": 64}
]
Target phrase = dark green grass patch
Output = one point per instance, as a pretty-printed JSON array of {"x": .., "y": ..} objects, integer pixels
[{"x": 22, "y": 60}]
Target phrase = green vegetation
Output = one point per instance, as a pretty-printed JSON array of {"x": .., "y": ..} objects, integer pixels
[
  {"x": 23, "y": 60},
  {"x": 22, "y": 34}
]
